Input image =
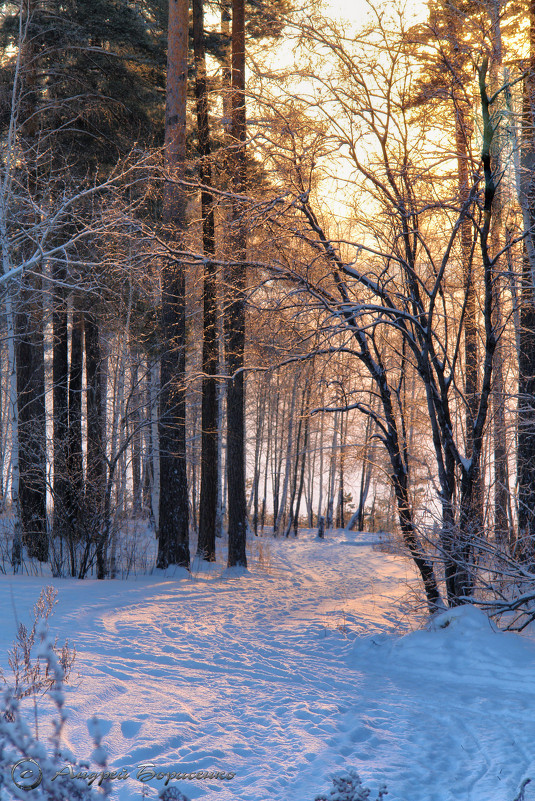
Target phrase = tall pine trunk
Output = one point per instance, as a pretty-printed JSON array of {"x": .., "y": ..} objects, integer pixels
[
  {"x": 235, "y": 316},
  {"x": 76, "y": 521},
  {"x": 96, "y": 464},
  {"x": 526, "y": 358},
  {"x": 210, "y": 351},
  {"x": 173, "y": 544},
  {"x": 30, "y": 339},
  {"x": 31, "y": 423}
]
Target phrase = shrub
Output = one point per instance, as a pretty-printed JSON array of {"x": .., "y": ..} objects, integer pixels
[
  {"x": 44, "y": 774},
  {"x": 348, "y": 787},
  {"x": 172, "y": 794},
  {"x": 30, "y": 675}
]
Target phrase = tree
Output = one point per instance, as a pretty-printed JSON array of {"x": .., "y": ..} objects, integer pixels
[
  {"x": 449, "y": 72},
  {"x": 526, "y": 382},
  {"x": 235, "y": 312},
  {"x": 210, "y": 355},
  {"x": 96, "y": 466},
  {"x": 29, "y": 358},
  {"x": 389, "y": 285},
  {"x": 173, "y": 545},
  {"x": 31, "y": 425},
  {"x": 81, "y": 95}
]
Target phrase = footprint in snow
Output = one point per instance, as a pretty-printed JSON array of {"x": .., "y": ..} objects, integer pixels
[
  {"x": 98, "y": 726},
  {"x": 130, "y": 728}
]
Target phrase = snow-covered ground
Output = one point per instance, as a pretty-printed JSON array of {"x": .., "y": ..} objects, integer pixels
[{"x": 305, "y": 665}]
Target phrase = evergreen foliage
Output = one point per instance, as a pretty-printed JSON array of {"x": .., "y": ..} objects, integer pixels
[{"x": 92, "y": 82}]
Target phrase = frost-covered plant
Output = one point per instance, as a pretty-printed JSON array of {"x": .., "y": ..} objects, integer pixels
[
  {"x": 31, "y": 675},
  {"x": 348, "y": 787},
  {"x": 522, "y": 792},
  {"x": 53, "y": 773},
  {"x": 172, "y": 794}
]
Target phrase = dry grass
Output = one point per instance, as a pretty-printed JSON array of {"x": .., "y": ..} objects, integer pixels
[{"x": 260, "y": 554}]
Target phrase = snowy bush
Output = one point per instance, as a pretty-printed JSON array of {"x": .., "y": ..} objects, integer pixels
[
  {"x": 172, "y": 794},
  {"x": 522, "y": 793},
  {"x": 30, "y": 674},
  {"x": 28, "y": 769},
  {"x": 348, "y": 787}
]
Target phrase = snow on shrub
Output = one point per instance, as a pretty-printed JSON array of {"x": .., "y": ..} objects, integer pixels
[
  {"x": 522, "y": 792},
  {"x": 348, "y": 787},
  {"x": 172, "y": 794},
  {"x": 45, "y": 774},
  {"x": 30, "y": 674}
]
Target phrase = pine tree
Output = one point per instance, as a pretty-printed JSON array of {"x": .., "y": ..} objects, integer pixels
[
  {"x": 90, "y": 78},
  {"x": 235, "y": 314},
  {"x": 526, "y": 377},
  {"x": 210, "y": 355},
  {"x": 173, "y": 545}
]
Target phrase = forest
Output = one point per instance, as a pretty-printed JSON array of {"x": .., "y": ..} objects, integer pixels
[
  {"x": 264, "y": 269},
  {"x": 267, "y": 400}
]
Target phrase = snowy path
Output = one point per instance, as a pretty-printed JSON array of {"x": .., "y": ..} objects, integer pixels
[{"x": 288, "y": 675}]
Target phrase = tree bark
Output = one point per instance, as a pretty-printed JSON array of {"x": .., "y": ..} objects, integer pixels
[
  {"x": 60, "y": 369},
  {"x": 526, "y": 359},
  {"x": 134, "y": 423},
  {"x": 31, "y": 428},
  {"x": 288, "y": 461},
  {"x": 173, "y": 544},
  {"x": 210, "y": 351},
  {"x": 471, "y": 385},
  {"x": 235, "y": 319},
  {"x": 501, "y": 472},
  {"x": 304, "y": 455},
  {"x": 75, "y": 520},
  {"x": 96, "y": 465}
]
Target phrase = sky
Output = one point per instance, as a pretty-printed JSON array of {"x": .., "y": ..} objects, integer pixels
[{"x": 357, "y": 9}]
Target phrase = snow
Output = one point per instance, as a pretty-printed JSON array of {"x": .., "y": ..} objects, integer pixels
[{"x": 308, "y": 663}]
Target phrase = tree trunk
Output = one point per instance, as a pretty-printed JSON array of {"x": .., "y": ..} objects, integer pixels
[
  {"x": 134, "y": 421},
  {"x": 501, "y": 472},
  {"x": 288, "y": 463},
  {"x": 295, "y": 471},
  {"x": 30, "y": 341},
  {"x": 526, "y": 359},
  {"x": 219, "y": 524},
  {"x": 329, "y": 521},
  {"x": 60, "y": 370},
  {"x": 210, "y": 352},
  {"x": 16, "y": 554},
  {"x": 96, "y": 465},
  {"x": 75, "y": 519},
  {"x": 154, "y": 392},
  {"x": 173, "y": 544},
  {"x": 471, "y": 385},
  {"x": 31, "y": 429},
  {"x": 236, "y": 279},
  {"x": 266, "y": 472},
  {"x": 277, "y": 449},
  {"x": 259, "y": 432},
  {"x": 148, "y": 446},
  {"x": 365, "y": 478},
  {"x": 304, "y": 456},
  {"x": 320, "y": 499},
  {"x": 340, "y": 512}
]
